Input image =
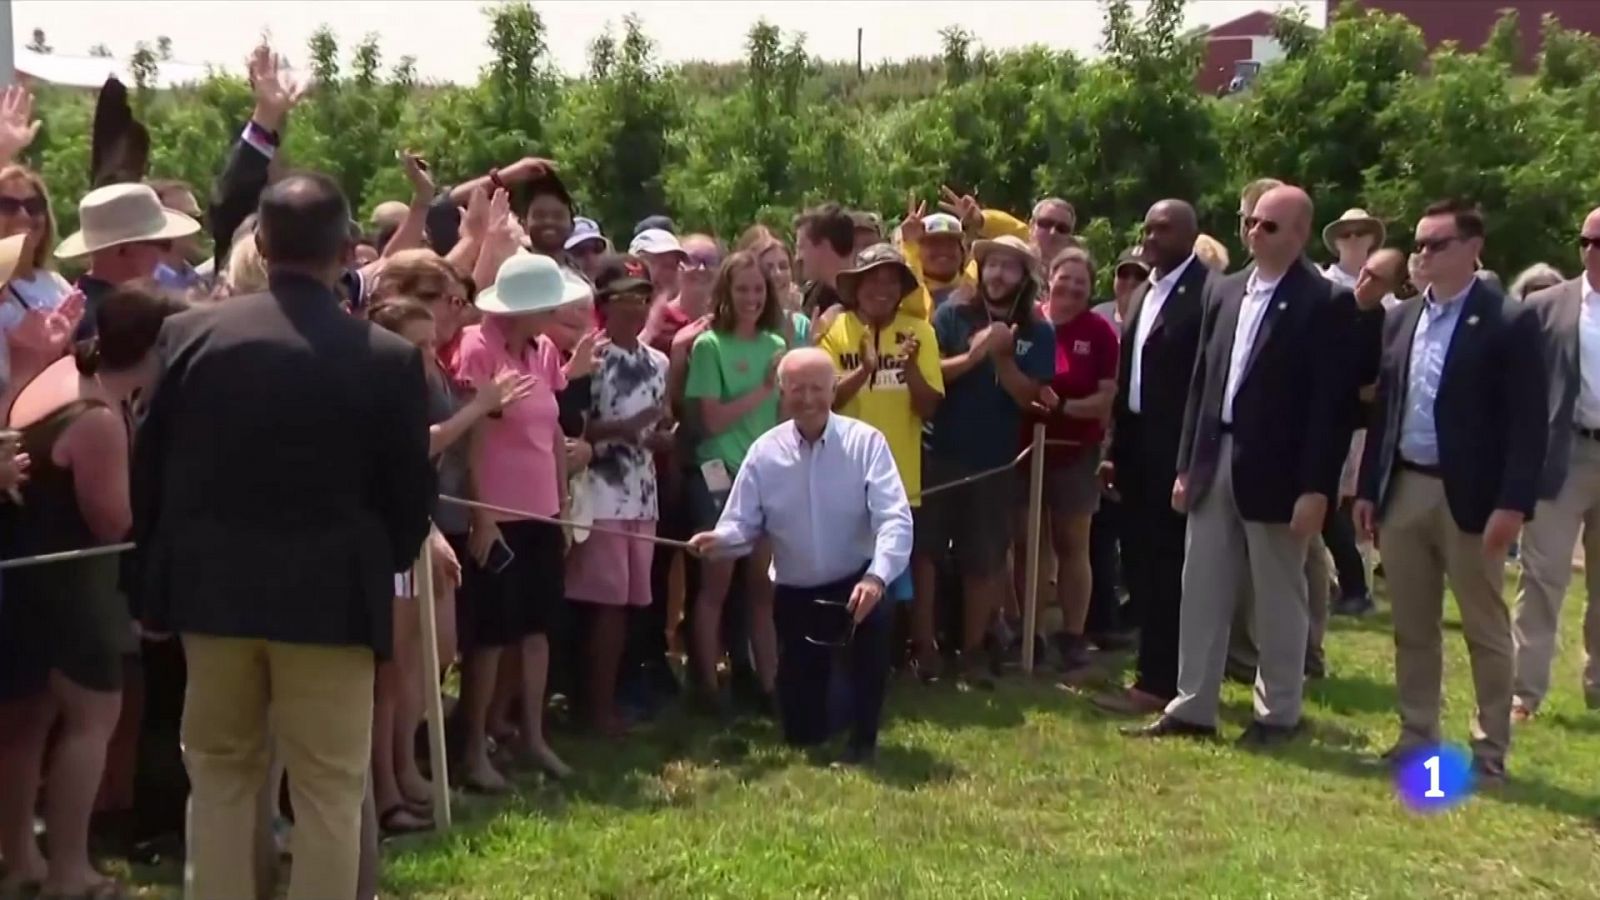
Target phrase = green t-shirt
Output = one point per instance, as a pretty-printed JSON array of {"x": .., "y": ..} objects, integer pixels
[{"x": 724, "y": 367}]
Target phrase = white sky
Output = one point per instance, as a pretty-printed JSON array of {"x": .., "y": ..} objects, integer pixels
[{"x": 447, "y": 36}]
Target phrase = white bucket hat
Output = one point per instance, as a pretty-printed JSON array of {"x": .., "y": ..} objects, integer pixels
[
  {"x": 529, "y": 283},
  {"x": 1351, "y": 222},
  {"x": 123, "y": 214}
]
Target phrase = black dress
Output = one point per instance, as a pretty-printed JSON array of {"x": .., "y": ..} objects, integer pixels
[{"x": 66, "y": 616}]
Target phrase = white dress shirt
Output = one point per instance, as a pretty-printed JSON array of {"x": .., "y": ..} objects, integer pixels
[
  {"x": 1257, "y": 294},
  {"x": 1587, "y": 411},
  {"x": 830, "y": 507},
  {"x": 1154, "y": 300}
]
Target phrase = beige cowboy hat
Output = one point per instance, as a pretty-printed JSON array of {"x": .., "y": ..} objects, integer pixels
[
  {"x": 530, "y": 283},
  {"x": 10, "y": 255},
  {"x": 1007, "y": 243},
  {"x": 1353, "y": 220},
  {"x": 873, "y": 257},
  {"x": 123, "y": 214}
]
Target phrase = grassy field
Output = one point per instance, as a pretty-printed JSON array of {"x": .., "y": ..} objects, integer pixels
[{"x": 1030, "y": 792}]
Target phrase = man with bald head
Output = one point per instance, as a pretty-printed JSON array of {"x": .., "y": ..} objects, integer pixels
[
  {"x": 1569, "y": 490},
  {"x": 824, "y": 489},
  {"x": 1258, "y": 465},
  {"x": 1163, "y": 335}
]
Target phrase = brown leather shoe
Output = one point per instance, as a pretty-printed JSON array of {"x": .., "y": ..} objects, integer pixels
[{"x": 1129, "y": 701}]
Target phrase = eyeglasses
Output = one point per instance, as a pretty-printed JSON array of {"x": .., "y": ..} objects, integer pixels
[
  {"x": 1267, "y": 226},
  {"x": 1055, "y": 225},
  {"x": 839, "y": 606},
  {"x": 33, "y": 206},
  {"x": 697, "y": 261},
  {"x": 1587, "y": 242},
  {"x": 1434, "y": 245}
]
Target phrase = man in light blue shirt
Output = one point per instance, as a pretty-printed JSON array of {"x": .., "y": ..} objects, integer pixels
[
  {"x": 824, "y": 489},
  {"x": 1419, "y": 438}
]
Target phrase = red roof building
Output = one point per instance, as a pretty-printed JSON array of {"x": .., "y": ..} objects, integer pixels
[
  {"x": 1235, "y": 51},
  {"x": 1468, "y": 22}
]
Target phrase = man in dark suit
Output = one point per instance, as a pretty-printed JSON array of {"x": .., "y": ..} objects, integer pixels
[
  {"x": 1258, "y": 465},
  {"x": 1161, "y": 337},
  {"x": 281, "y": 478},
  {"x": 1450, "y": 473},
  {"x": 1569, "y": 491}
]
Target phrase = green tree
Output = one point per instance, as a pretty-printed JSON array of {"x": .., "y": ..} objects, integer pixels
[
  {"x": 100, "y": 51},
  {"x": 164, "y": 48},
  {"x": 1568, "y": 58},
  {"x": 1504, "y": 44},
  {"x": 1313, "y": 119},
  {"x": 37, "y": 42},
  {"x": 611, "y": 133},
  {"x": 145, "y": 66}
]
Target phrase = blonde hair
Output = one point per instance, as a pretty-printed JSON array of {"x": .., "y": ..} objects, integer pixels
[
  {"x": 1211, "y": 253},
  {"x": 247, "y": 269},
  {"x": 43, "y": 253}
]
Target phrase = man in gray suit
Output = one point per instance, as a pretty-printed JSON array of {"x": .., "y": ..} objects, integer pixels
[
  {"x": 1569, "y": 486},
  {"x": 1263, "y": 440}
]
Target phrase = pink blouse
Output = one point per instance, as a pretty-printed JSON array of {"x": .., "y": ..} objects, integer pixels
[{"x": 515, "y": 462}]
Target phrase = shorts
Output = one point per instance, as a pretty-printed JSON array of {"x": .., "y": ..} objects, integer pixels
[
  {"x": 497, "y": 609},
  {"x": 973, "y": 521},
  {"x": 612, "y": 570},
  {"x": 705, "y": 505},
  {"x": 65, "y": 617},
  {"x": 1071, "y": 486}
]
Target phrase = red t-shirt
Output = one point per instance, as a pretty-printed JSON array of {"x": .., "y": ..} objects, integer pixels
[{"x": 1086, "y": 354}]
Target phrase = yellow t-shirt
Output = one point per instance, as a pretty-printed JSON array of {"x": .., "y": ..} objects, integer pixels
[{"x": 885, "y": 402}]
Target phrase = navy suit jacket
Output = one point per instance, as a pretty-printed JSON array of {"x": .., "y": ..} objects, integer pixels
[
  {"x": 1292, "y": 414},
  {"x": 1491, "y": 412}
]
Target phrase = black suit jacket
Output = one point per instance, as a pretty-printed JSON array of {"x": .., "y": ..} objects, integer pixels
[
  {"x": 281, "y": 474},
  {"x": 1491, "y": 415},
  {"x": 1144, "y": 445},
  {"x": 1294, "y": 407}
]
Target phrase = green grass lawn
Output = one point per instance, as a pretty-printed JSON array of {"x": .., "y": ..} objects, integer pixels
[{"x": 1030, "y": 792}]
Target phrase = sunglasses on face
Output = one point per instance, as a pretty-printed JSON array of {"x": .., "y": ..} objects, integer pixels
[
  {"x": 588, "y": 248},
  {"x": 1130, "y": 274},
  {"x": 1267, "y": 226},
  {"x": 1587, "y": 242},
  {"x": 33, "y": 206},
  {"x": 697, "y": 261},
  {"x": 1053, "y": 225},
  {"x": 1436, "y": 244}
]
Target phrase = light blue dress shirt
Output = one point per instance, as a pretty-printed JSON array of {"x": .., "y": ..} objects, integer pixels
[
  {"x": 1430, "y": 345},
  {"x": 829, "y": 507}
]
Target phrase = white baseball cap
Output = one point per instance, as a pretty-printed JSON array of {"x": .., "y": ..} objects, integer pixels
[{"x": 656, "y": 241}]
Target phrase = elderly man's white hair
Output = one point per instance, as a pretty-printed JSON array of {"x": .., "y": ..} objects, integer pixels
[{"x": 802, "y": 359}]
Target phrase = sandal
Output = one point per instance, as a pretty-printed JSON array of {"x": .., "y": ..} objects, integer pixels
[{"x": 391, "y": 825}]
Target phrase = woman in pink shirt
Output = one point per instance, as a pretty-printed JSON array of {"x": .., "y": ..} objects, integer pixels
[{"x": 513, "y": 583}]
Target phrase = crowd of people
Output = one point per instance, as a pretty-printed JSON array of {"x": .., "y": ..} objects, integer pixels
[{"x": 757, "y": 479}]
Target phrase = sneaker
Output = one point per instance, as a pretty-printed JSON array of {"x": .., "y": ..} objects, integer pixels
[
  {"x": 1073, "y": 653},
  {"x": 1521, "y": 712}
]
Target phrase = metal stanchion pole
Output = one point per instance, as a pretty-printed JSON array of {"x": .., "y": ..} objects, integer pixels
[
  {"x": 433, "y": 704},
  {"x": 1030, "y": 609}
]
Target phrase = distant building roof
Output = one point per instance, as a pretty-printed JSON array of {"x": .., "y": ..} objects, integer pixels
[
  {"x": 92, "y": 71},
  {"x": 1255, "y": 24}
]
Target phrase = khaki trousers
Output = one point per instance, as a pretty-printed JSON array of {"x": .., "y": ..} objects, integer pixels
[
  {"x": 316, "y": 701},
  {"x": 1547, "y": 545},
  {"x": 1319, "y": 582},
  {"x": 1226, "y": 559},
  {"x": 1421, "y": 547}
]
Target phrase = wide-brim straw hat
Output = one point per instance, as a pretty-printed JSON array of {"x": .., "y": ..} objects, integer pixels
[
  {"x": 1007, "y": 243},
  {"x": 123, "y": 214},
  {"x": 1353, "y": 220},
  {"x": 10, "y": 255},
  {"x": 875, "y": 257},
  {"x": 530, "y": 283}
]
